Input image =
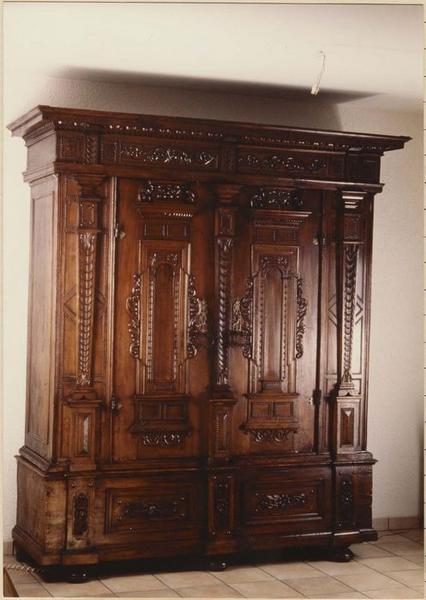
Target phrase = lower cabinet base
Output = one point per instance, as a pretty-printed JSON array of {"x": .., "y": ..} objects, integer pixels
[{"x": 195, "y": 515}]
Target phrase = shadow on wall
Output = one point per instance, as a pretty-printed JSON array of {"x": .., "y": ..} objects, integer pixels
[{"x": 212, "y": 99}]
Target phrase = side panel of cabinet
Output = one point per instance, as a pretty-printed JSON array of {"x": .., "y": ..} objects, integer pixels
[
  {"x": 162, "y": 319},
  {"x": 42, "y": 318}
]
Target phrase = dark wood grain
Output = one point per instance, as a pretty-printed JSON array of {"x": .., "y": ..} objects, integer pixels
[{"x": 198, "y": 337}]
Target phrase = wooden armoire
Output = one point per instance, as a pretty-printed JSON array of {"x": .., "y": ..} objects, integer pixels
[{"x": 198, "y": 337}]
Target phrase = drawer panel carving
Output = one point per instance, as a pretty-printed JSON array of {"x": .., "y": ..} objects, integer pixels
[
  {"x": 150, "y": 509},
  {"x": 287, "y": 499}
]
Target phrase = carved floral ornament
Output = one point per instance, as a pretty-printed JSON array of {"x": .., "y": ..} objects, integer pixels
[{"x": 242, "y": 309}]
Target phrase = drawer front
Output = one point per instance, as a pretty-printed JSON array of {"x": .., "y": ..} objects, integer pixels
[
  {"x": 149, "y": 507},
  {"x": 288, "y": 500}
]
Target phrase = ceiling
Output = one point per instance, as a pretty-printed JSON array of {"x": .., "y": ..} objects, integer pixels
[{"x": 370, "y": 50}]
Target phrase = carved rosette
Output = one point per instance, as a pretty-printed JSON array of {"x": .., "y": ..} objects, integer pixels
[
  {"x": 197, "y": 319},
  {"x": 133, "y": 307}
]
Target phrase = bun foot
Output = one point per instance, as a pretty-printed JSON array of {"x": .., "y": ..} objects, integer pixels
[
  {"x": 341, "y": 554},
  {"x": 77, "y": 575},
  {"x": 217, "y": 565}
]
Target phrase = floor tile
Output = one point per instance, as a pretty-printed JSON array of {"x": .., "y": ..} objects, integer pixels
[
  {"x": 133, "y": 583},
  {"x": 336, "y": 568},
  {"x": 419, "y": 559},
  {"x": 410, "y": 578},
  {"x": 372, "y": 581},
  {"x": 341, "y": 596},
  {"x": 187, "y": 579},
  {"x": 266, "y": 589},
  {"x": 18, "y": 576},
  {"x": 367, "y": 550},
  {"x": 388, "y": 564},
  {"x": 417, "y": 535},
  {"x": 166, "y": 593},
  {"x": 242, "y": 575},
  {"x": 31, "y": 590},
  {"x": 295, "y": 570},
  {"x": 77, "y": 590},
  {"x": 388, "y": 537},
  {"x": 403, "y": 593},
  {"x": 318, "y": 585},
  {"x": 209, "y": 591},
  {"x": 401, "y": 548}
]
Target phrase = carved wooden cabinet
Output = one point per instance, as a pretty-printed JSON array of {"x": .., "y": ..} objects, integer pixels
[{"x": 198, "y": 337}]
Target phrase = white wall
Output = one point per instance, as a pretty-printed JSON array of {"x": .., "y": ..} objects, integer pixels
[{"x": 396, "y": 384}]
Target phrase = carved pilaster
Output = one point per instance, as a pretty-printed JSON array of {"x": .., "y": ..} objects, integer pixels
[
  {"x": 350, "y": 274},
  {"x": 90, "y": 197},
  {"x": 224, "y": 232}
]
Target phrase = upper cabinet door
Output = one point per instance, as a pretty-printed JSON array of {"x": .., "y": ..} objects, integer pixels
[
  {"x": 162, "y": 319},
  {"x": 275, "y": 318}
]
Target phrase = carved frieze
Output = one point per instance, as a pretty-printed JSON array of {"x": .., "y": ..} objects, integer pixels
[
  {"x": 163, "y": 439},
  {"x": 276, "y": 199},
  {"x": 282, "y": 163},
  {"x": 264, "y": 435},
  {"x": 156, "y": 155},
  {"x": 152, "y": 191}
]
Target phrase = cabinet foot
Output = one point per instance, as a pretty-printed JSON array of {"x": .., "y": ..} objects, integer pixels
[
  {"x": 217, "y": 564},
  {"x": 341, "y": 554}
]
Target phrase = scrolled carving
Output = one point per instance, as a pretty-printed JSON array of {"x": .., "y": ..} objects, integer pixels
[
  {"x": 197, "y": 319},
  {"x": 133, "y": 307},
  {"x": 276, "y": 436},
  {"x": 242, "y": 322},
  {"x": 161, "y": 508},
  {"x": 302, "y": 306},
  {"x": 269, "y": 502},
  {"x": 278, "y": 162},
  {"x": 80, "y": 514},
  {"x": 276, "y": 198},
  {"x": 163, "y": 439},
  {"x": 164, "y": 155},
  {"x": 87, "y": 259},
  {"x": 151, "y": 191}
]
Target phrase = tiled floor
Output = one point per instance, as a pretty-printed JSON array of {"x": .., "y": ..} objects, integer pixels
[{"x": 390, "y": 568}]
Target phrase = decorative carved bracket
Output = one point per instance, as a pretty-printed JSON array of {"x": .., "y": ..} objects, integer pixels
[
  {"x": 197, "y": 319},
  {"x": 133, "y": 307}
]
